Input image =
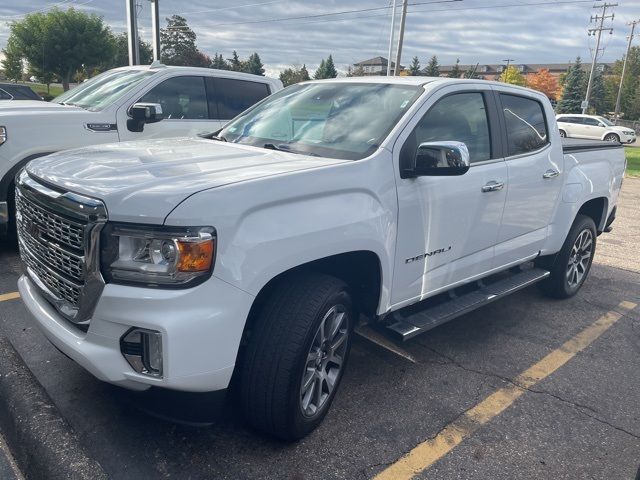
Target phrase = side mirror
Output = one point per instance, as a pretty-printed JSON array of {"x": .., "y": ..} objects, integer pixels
[
  {"x": 439, "y": 159},
  {"x": 142, "y": 113}
]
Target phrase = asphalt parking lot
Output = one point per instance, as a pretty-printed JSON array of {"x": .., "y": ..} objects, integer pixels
[{"x": 526, "y": 387}]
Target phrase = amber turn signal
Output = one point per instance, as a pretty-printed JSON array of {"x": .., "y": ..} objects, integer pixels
[{"x": 195, "y": 256}]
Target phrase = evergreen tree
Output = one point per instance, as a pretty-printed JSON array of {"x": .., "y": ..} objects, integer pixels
[
  {"x": 321, "y": 72},
  {"x": 179, "y": 44},
  {"x": 597, "y": 102},
  {"x": 414, "y": 68},
  {"x": 293, "y": 75},
  {"x": 330, "y": 68},
  {"x": 456, "y": 71},
  {"x": 432, "y": 69},
  {"x": 471, "y": 72},
  {"x": 219, "y": 62},
  {"x": 234, "y": 62},
  {"x": 254, "y": 65},
  {"x": 574, "y": 89},
  {"x": 356, "y": 72}
]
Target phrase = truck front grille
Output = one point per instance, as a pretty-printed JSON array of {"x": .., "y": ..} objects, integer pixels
[{"x": 58, "y": 238}]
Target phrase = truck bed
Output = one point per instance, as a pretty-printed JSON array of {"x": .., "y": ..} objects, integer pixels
[{"x": 573, "y": 145}]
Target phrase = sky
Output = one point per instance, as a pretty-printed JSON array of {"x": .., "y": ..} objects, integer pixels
[{"x": 484, "y": 31}]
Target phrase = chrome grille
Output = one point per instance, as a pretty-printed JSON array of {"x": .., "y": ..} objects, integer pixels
[{"x": 58, "y": 238}]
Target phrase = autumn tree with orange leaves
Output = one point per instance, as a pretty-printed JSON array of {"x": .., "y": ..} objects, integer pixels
[{"x": 544, "y": 82}]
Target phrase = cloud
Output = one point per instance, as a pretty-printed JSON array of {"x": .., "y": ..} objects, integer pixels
[{"x": 472, "y": 30}]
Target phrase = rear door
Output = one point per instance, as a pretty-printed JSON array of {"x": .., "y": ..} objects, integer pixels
[
  {"x": 593, "y": 128},
  {"x": 572, "y": 125},
  {"x": 535, "y": 175},
  {"x": 228, "y": 97},
  {"x": 448, "y": 226}
]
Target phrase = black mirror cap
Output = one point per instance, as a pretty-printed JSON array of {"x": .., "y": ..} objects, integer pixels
[{"x": 142, "y": 113}]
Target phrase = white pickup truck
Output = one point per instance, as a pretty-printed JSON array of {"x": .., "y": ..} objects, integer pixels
[
  {"x": 403, "y": 202},
  {"x": 114, "y": 107}
]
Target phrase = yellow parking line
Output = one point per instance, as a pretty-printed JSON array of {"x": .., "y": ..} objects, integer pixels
[
  {"x": 9, "y": 296},
  {"x": 427, "y": 453}
]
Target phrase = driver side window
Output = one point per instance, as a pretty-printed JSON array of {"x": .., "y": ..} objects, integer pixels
[
  {"x": 181, "y": 98},
  {"x": 460, "y": 117}
]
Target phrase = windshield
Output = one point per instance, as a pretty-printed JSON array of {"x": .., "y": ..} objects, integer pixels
[
  {"x": 606, "y": 122},
  {"x": 102, "y": 90},
  {"x": 337, "y": 120}
]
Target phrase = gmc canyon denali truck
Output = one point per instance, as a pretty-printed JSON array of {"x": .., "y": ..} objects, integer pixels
[
  {"x": 403, "y": 202},
  {"x": 109, "y": 107}
]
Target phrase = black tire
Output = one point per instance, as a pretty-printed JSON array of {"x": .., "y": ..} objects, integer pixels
[
  {"x": 277, "y": 356},
  {"x": 563, "y": 134},
  {"x": 611, "y": 137},
  {"x": 558, "y": 284}
]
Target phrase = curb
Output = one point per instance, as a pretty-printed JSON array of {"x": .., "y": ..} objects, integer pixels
[{"x": 43, "y": 444}]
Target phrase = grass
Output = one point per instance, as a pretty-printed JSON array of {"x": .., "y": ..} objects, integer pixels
[
  {"x": 41, "y": 89},
  {"x": 633, "y": 161}
]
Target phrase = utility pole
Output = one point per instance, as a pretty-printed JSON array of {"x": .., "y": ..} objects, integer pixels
[
  {"x": 132, "y": 32},
  {"x": 403, "y": 19},
  {"x": 508, "y": 60},
  {"x": 391, "y": 35},
  {"x": 624, "y": 68},
  {"x": 597, "y": 32},
  {"x": 155, "y": 29}
]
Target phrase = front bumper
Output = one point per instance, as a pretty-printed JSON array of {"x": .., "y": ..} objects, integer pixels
[
  {"x": 627, "y": 138},
  {"x": 201, "y": 329}
]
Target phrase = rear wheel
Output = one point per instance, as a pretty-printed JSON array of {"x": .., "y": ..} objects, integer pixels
[
  {"x": 296, "y": 355},
  {"x": 570, "y": 267},
  {"x": 612, "y": 137},
  {"x": 563, "y": 134}
]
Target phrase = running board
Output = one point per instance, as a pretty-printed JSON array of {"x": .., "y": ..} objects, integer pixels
[{"x": 406, "y": 326}]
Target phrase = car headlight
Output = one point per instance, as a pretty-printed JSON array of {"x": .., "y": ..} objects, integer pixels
[
  {"x": 157, "y": 256},
  {"x": 629, "y": 132},
  {"x": 3, "y": 135}
]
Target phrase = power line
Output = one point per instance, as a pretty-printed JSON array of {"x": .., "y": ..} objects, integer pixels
[
  {"x": 483, "y": 7},
  {"x": 231, "y": 7},
  {"x": 598, "y": 33},
  {"x": 44, "y": 9}
]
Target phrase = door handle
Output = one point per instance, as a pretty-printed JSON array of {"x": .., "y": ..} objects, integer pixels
[
  {"x": 493, "y": 186},
  {"x": 551, "y": 173}
]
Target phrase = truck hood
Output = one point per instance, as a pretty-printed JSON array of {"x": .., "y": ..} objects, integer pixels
[
  {"x": 33, "y": 107},
  {"x": 143, "y": 181}
]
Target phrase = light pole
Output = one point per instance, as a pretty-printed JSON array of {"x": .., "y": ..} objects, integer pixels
[
  {"x": 132, "y": 32},
  {"x": 391, "y": 35},
  {"x": 155, "y": 29}
]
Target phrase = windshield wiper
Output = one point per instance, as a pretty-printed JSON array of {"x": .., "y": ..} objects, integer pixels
[{"x": 283, "y": 147}]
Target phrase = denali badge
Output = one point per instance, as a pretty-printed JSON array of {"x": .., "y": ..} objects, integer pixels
[{"x": 429, "y": 254}]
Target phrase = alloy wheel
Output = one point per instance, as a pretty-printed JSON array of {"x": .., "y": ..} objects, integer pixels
[{"x": 579, "y": 258}]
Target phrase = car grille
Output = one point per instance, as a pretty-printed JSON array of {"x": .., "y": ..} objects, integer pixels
[{"x": 55, "y": 232}]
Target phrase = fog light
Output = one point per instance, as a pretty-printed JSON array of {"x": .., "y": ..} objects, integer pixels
[{"x": 143, "y": 350}]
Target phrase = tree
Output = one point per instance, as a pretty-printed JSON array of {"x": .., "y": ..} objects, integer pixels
[
  {"x": 544, "y": 82},
  {"x": 330, "y": 68},
  {"x": 219, "y": 62},
  {"x": 293, "y": 75},
  {"x": 121, "y": 57},
  {"x": 432, "y": 69},
  {"x": 574, "y": 89},
  {"x": 512, "y": 75},
  {"x": 62, "y": 42},
  {"x": 179, "y": 44},
  {"x": 597, "y": 100},
  {"x": 414, "y": 68},
  {"x": 12, "y": 64},
  {"x": 254, "y": 65},
  {"x": 321, "y": 71},
  {"x": 356, "y": 72},
  {"x": 234, "y": 62},
  {"x": 471, "y": 72},
  {"x": 456, "y": 71}
]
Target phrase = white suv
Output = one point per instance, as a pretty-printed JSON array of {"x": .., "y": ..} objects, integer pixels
[
  {"x": 593, "y": 127},
  {"x": 129, "y": 103}
]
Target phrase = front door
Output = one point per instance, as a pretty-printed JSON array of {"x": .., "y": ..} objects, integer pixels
[
  {"x": 593, "y": 128},
  {"x": 185, "y": 110},
  {"x": 535, "y": 172},
  {"x": 448, "y": 226}
]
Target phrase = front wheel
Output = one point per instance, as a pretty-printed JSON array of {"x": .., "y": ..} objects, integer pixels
[
  {"x": 296, "y": 355},
  {"x": 570, "y": 267},
  {"x": 612, "y": 137}
]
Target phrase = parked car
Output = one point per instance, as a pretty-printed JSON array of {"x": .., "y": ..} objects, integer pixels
[
  {"x": 594, "y": 127},
  {"x": 16, "y": 91},
  {"x": 405, "y": 201},
  {"x": 123, "y": 104}
]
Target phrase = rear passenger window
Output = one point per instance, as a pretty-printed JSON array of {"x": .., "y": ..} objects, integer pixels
[
  {"x": 182, "y": 98},
  {"x": 525, "y": 122},
  {"x": 235, "y": 96},
  {"x": 461, "y": 117}
]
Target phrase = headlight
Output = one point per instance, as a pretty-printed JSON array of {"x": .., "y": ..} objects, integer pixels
[
  {"x": 157, "y": 256},
  {"x": 3, "y": 135},
  {"x": 629, "y": 132}
]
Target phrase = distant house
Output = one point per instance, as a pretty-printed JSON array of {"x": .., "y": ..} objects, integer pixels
[
  {"x": 376, "y": 66},
  {"x": 493, "y": 71}
]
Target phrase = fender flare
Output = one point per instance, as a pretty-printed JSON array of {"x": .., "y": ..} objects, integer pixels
[{"x": 7, "y": 180}]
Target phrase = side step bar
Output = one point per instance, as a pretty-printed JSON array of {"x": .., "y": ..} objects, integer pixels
[{"x": 405, "y": 326}]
